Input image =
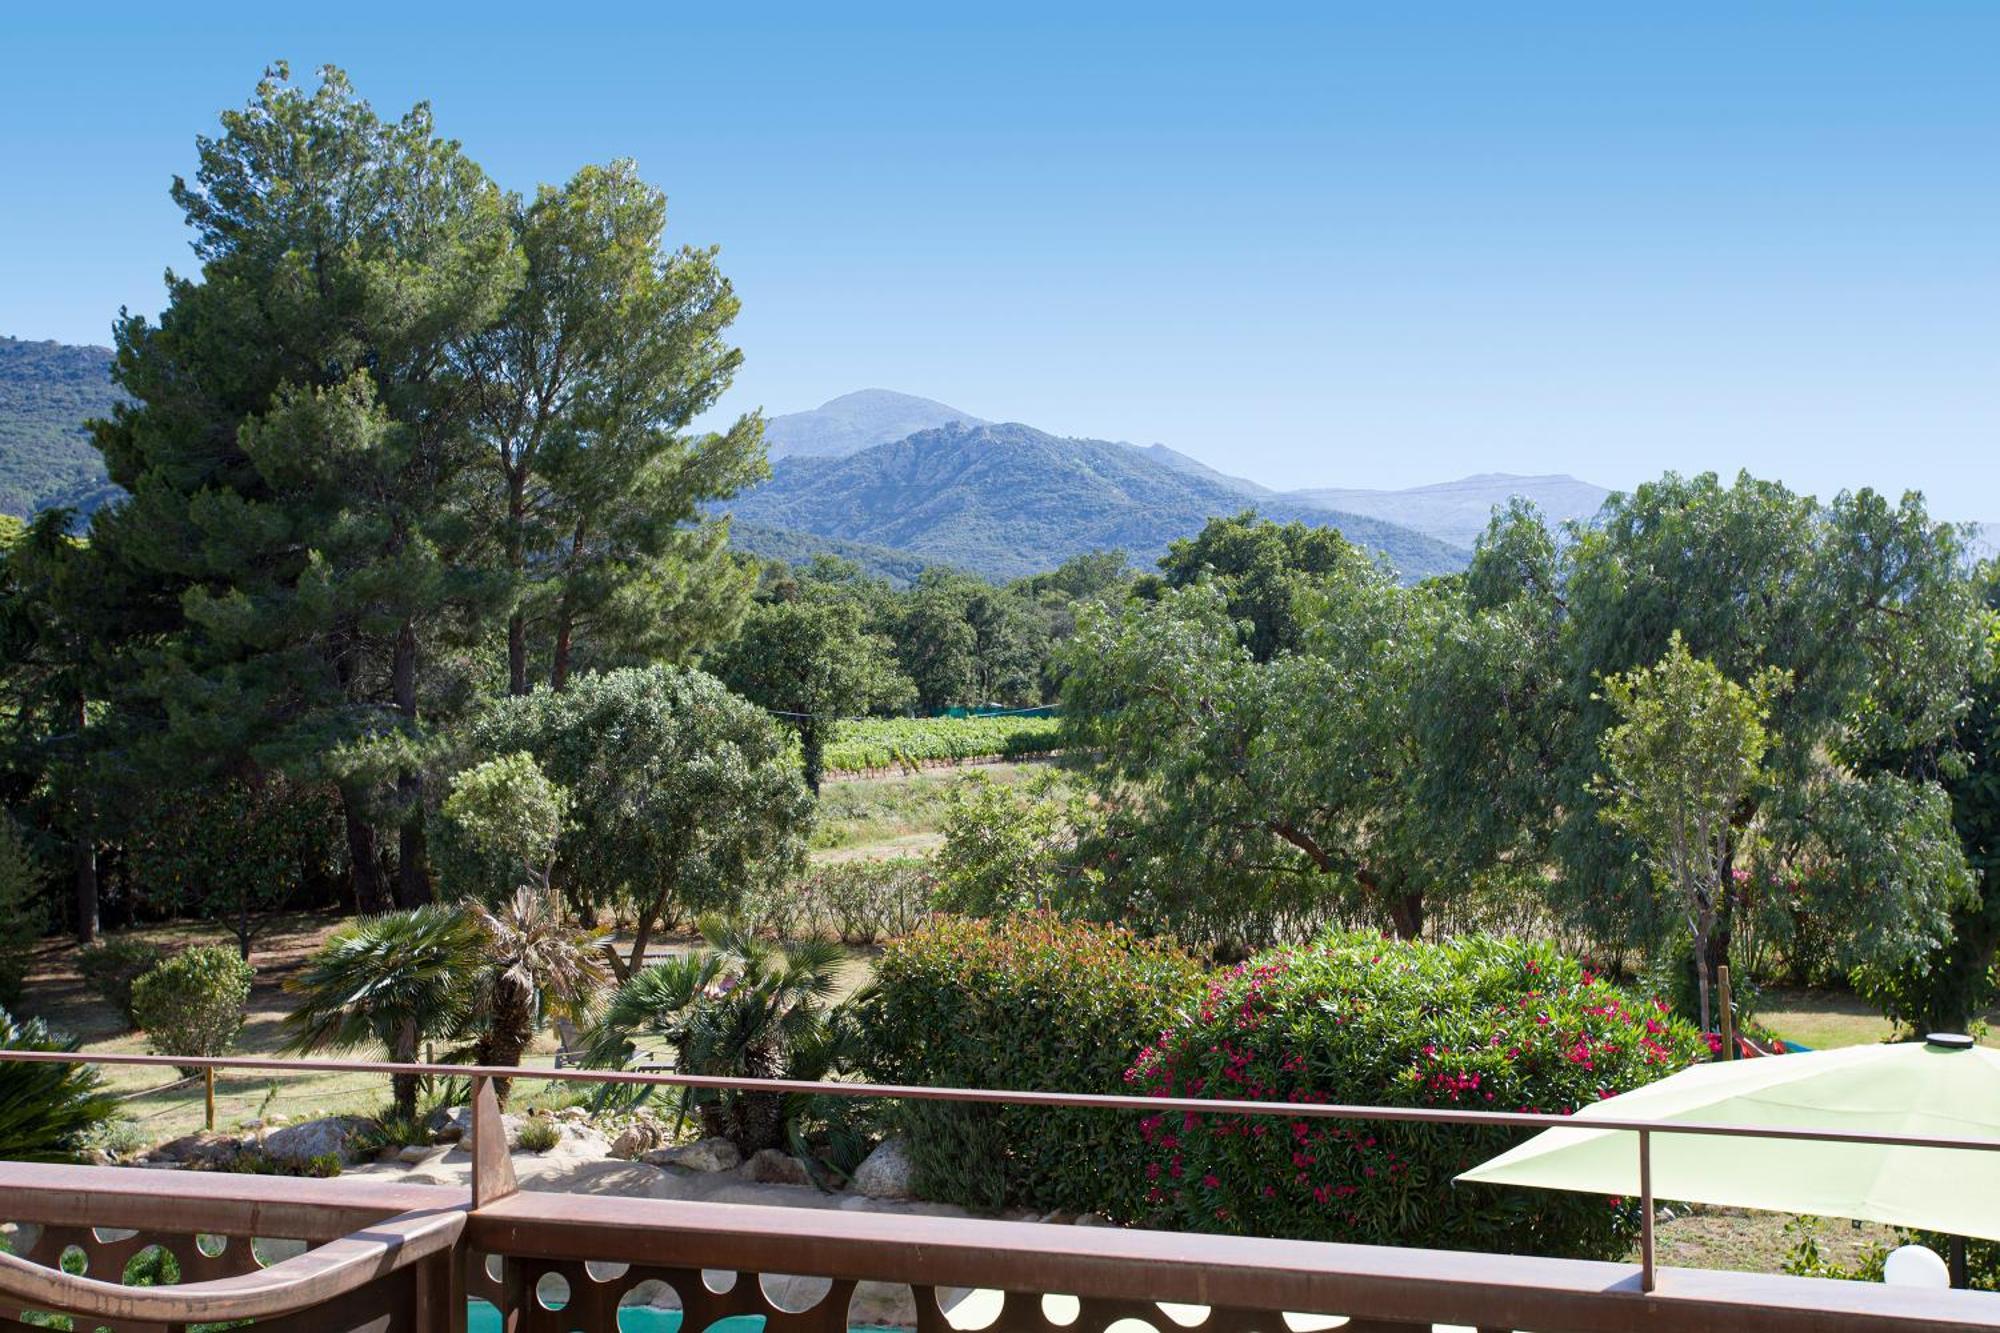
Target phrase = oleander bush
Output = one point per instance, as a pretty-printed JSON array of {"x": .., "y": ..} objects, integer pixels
[
  {"x": 891, "y": 742},
  {"x": 193, "y": 1003},
  {"x": 1027, "y": 1002},
  {"x": 1478, "y": 1023},
  {"x": 110, "y": 968}
]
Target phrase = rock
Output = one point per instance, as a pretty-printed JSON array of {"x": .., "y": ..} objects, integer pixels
[
  {"x": 315, "y": 1138},
  {"x": 768, "y": 1166},
  {"x": 418, "y": 1153},
  {"x": 455, "y": 1124},
  {"x": 715, "y": 1154},
  {"x": 888, "y": 1172},
  {"x": 201, "y": 1149}
]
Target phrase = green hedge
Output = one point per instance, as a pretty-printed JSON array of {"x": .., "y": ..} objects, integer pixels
[
  {"x": 908, "y": 741},
  {"x": 1026, "y": 1002},
  {"x": 193, "y": 1003},
  {"x": 1478, "y": 1023}
]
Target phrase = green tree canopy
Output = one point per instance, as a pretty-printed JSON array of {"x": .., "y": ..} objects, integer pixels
[{"x": 684, "y": 796}]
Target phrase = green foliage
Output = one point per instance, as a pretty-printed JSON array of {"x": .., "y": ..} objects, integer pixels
[
  {"x": 1013, "y": 847},
  {"x": 47, "y": 1111},
  {"x": 1685, "y": 752},
  {"x": 856, "y": 902},
  {"x": 685, "y": 798},
  {"x": 1252, "y": 800},
  {"x": 396, "y": 980},
  {"x": 746, "y": 1008},
  {"x": 539, "y": 1133},
  {"x": 1807, "y": 1259},
  {"x": 193, "y": 1003},
  {"x": 508, "y": 808},
  {"x": 534, "y": 963},
  {"x": 1266, "y": 569},
  {"x": 231, "y": 851},
  {"x": 908, "y": 742},
  {"x": 111, "y": 967},
  {"x": 47, "y": 392},
  {"x": 20, "y": 914},
  {"x": 324, "y": 1166},
  {"x": 1476, "y": 1023},
  {"x": 1028, "y": 1002},
  {"x": 809, "y": 660}
]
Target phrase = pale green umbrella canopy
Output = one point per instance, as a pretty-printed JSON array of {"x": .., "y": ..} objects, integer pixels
[{"x": 1911, "y": 1088}]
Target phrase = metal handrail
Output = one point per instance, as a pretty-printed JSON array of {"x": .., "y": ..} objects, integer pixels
[{"x": 1644, "y": 1129}]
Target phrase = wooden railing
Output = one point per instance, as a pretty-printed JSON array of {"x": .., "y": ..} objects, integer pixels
[{"x": 384, "y": 1257}]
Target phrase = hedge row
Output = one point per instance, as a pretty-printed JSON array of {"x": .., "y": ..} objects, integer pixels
[
  {"x": 1034, "y": 1002},
  {"x": 1027, "y": 1002},
  {"x": 908, "y": 741}
]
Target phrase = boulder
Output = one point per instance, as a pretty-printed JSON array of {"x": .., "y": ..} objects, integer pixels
[
  {"x": 768, "y": 1166},
  {"x": 888, "y": 1172},
  {"x": 716, "y": 1154},
  {"x": 206, "y": 1149},
  {"x": 334, "y": 1135},
  {"x": 635, "y": 1140},
  {"x": 451, "y": 1125},
  {"x": 419, "y": 1153}
]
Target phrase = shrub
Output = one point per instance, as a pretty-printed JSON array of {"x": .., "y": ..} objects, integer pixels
[
  {"x": 1477, "y": 1023},
  {"x": 539, "y": 1134},
  {"x": 856, "y": 902},
  {"x": 192, "y": 1004},
  {"x": 1029, "y": 1002},
  {"x": 46, "y": 1111},
  {"x": 110, "y": 969}
]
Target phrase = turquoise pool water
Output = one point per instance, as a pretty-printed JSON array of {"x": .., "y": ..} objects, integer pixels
[
  {"x": 484, "y": 1318},
  {"x": 645, "y": 1319}
]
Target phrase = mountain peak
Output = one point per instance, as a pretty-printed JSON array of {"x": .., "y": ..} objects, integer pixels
[{"x": 856, "y": 421}]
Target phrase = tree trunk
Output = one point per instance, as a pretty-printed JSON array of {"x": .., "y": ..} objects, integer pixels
[
  {"x": 1406, "y": 915},
  {"x": 510, "y": 1029},
  {"x": 517, "y": 623},
  {"x": 84, "y": 855},
  {"x": 413, "y": 887},
  {"x": 370, "y": 894},
  {"x": 1701, "y": 977},
  {"x": 812, "y": 745},
  {"x": 404, "y": 1086},
  {"x": 566, "y": 617}
]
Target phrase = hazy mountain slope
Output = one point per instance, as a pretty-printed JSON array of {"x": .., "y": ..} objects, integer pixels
[
  {"x": 857, "y": 421},
  {"x": 1194, "y": 467},
  {"x": 1009, "y": 500},
  {"x": 799, "y": 548},
  {"x": 47, "y": 391},
  {"x": 1457, "y": 511}
]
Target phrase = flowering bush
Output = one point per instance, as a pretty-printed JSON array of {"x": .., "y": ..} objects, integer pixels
[
  {"x": 1477, "y": 1024},
  {"x": 1028, "y": 1002}
]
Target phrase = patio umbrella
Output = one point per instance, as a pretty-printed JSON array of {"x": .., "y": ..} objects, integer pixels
[{"x": 1946, "y": 1087}]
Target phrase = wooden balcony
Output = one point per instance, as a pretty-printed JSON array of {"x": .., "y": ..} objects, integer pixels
[{"x": 339, "y": 1256}]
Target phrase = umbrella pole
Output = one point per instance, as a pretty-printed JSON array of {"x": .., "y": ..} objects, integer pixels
[
  {"x": 1959, "y": 1279},
  {"x": 1646, "y": 1275}
]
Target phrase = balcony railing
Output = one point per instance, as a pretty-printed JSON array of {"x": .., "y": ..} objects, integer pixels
[{"x": 348, "y": 1256}]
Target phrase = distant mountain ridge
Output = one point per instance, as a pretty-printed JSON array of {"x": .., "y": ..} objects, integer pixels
[
  {"x": 1007, "y": 500},
  {"x": 1458, "y": 511},
  {"x": 47, "y": 391},
  {"x": 857, "y": 421}
]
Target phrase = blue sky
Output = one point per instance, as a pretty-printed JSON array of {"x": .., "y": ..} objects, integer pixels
[{"x": 1328, "y": 245}]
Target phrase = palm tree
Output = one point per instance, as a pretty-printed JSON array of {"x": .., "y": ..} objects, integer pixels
[
  {"x": 46, "y": 1110},
  {"x": 400, "y": 978},
  {"x": 744, "y": 1007},
  {"x": 535, "y": 962}
]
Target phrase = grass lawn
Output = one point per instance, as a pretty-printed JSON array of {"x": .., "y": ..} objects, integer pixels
[{"x": 1825, "y": 1019}]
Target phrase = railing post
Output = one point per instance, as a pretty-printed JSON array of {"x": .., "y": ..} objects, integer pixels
[
  {"x": 1647, "y": 1277},
  {"x": 492, "y": 1169},
  {"x": 208, "y": 1093}
]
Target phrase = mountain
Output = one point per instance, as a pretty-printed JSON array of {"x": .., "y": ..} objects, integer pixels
[
  {"x": 800, "y": 548},
  {"x": 1008, "y": 500},
  {"x": 1457, "y": 511},
  {"x": 47, "y": 391},
  {"x": 1194, "y": 467},
  {"x": 857, "y": 421}
]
